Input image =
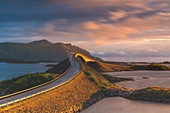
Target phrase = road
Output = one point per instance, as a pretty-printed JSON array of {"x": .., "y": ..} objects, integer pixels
[{"x": 74, "y": 70}]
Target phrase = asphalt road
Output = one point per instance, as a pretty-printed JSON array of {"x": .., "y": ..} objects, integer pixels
[{"x": 76, "y": 67}]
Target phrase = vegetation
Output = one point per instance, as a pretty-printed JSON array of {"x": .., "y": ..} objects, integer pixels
[
  {"x": 41, "y": 50},
  {"x": 160, "y": 94},
  {"x": 152, "y": 66},
  {"x": 101, "y": 83},
  {"x": 104, "y": 67},
  {"x": 166, "y": 62},
  {"x": 50, "y": 65},
  {"x": 117, "y": 63},
  {"x": 85, "y": 89},
  {"x": 24, "y": 82},
  {"x": 61, "y": 67},
  {"x": 110, "y": 67},
  {"x": 155, "y": 66},
  {"x": 113, "y": 79}
]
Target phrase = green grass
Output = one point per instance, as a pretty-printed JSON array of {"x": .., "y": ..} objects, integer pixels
[
  {"x": 158, "y": 67},
  {"x": 24, "y": 82},
  {"x": 102, "y": 84},
  {"x": 158, "y": 90}
]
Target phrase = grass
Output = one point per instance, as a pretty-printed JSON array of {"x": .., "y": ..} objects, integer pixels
[
  {"x": 160, "y": 90},
  {"x": 114, "y": 79},
  {"x": 24, "y": 82},
  {"x": 155, "y": 66},
  {"x": 102, "y": 84},
  {"x": 85, "y": 89},
  {"x": 104, "y": 67},
  {"x": 153, "y": 93}
]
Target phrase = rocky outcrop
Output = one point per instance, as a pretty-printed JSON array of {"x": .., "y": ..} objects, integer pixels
[
  {"x": 113, "y": 79},
  {"x": 60, "y": 68},
  {"x": 158, "y": 94}
]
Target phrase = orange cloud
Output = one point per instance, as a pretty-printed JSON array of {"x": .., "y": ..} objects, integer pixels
[
  {"x": 105, "y": 33},
  {"x": 90, "y": 25},
  {"x": 117, "y": 15}
]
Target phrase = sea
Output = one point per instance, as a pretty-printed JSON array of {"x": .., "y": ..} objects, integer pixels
[
  {"x": 12, "y": 70},
  {"x": 122, "y": 105}
]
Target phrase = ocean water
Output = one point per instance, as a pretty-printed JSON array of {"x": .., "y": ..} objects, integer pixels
[
  {"x": 167, "y": 65},
  {"x": 8, "y": 71},
  {"x": 122, "y": 105},
  {"x": 155, "y": 78}
]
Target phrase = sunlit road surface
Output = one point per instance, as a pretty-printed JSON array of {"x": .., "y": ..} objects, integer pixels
[{"x": 75, "y": 68}]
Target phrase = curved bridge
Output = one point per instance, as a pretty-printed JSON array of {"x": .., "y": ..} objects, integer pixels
[
  {"x": 84, "y": 58},
  {"x": 66, "y": 77}
]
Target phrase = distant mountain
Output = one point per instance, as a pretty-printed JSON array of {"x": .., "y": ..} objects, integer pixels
[{"x": 41, "y": 50}]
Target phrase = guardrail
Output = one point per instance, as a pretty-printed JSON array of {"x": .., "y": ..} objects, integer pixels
[
  {"x": 23, "y": 91},
  {"x": 12, "y": 102}
]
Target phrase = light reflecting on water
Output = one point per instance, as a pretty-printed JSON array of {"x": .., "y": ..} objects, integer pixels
[
  {"x": 156, "y": 78},
  {"x": 8, "y": 71},
  {"x": 121, "y": 105}
]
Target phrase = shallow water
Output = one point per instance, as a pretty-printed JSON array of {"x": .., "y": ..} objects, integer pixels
[
  {"x": 121, "y": 105},
  {"x": 167, "y": 65},
  {"x": 8, "y": 71},
  {"x": 155, "y": 78}
]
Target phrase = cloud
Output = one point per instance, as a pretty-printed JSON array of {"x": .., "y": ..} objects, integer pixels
[
  {"x": 90, "y": 25},
  {"x": 103, "y": 31},
  {"x": 117, "y": 15},
  {"x": 164, "y": 14},
  {"x": 120, "y": 27}
]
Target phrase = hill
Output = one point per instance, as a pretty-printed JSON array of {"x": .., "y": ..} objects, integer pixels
[
  {"x": 107, "y": 67},
  {"x": 41, "y": 50},
  {"x": 24, "y": 82},
  {"x": 83, "y": 90}
]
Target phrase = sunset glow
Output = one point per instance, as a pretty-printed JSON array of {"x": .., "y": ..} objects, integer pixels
[{"x": 117, "y": 30}]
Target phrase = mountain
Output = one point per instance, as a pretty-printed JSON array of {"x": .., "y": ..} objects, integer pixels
[{"x": 41, "y": 50}]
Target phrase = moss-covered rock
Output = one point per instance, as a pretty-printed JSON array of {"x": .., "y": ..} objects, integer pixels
[{"x": 160, "y": 94}]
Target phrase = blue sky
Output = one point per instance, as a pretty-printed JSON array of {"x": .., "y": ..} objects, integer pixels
[{"x": 121, "y": 30}]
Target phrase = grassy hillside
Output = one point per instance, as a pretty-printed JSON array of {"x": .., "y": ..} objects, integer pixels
[
  {"x": 105, "y": 67},
  {"x": 84, "y": 90},
  {"x": 42, "y": 50},
  {"x": 24, "y": 82},
  {"x": 61, "y": 67},
  {"x": 152, "y": 66}
]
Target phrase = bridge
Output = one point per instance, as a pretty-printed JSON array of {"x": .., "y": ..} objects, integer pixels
[
  {"x": 84, "y": 58},
  {"x": 37, "y": 90}
]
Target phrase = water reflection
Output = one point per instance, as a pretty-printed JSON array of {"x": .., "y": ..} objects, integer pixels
[
  {"x": 155, "y": 78},
  {"x": 121, "y": 105}
]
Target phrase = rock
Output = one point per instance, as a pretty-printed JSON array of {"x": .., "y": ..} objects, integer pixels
[{"x": 145, "y": 77}]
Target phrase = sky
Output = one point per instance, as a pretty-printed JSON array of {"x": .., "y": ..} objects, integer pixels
[{"x": 116, "y": 30}]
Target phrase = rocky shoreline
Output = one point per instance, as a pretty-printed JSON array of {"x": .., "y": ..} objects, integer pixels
[{"x": 157, "y": 94}]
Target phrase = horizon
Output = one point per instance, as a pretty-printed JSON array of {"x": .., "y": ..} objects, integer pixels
[
  {"x": 90, "y": 53},
  {"x": 125, "y": 30}
]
